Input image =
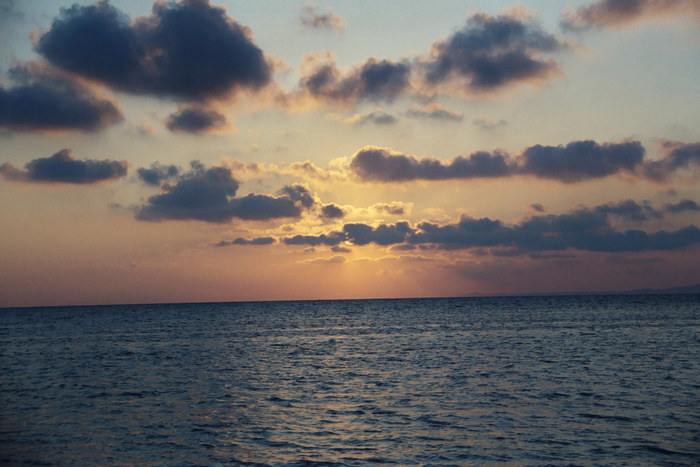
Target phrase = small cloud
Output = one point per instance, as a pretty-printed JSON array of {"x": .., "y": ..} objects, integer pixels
[
  {"x": 62, "y": 168},
  {"x": 378, "y": 117},
  {"x": 157, "y": 173},
  {"x": 332, "y": 211},
  {"x": 197, "y": 120},
  {"x": 259, "y": 241},
  {"x": 332, "y": 260},
  {"x": 434, "y": 111},
  {"x": 616, "y": 13},
  {"x": 485, "y": 124},
  {"x": 313, "y": 18},
  {"x": 340, "y": 249},
  {"x": 537, "y": 207}
]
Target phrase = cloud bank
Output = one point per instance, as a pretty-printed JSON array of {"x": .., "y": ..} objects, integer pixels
[
  {"x": 574, "y": 162},
  {"x": 587, "y": 229}
]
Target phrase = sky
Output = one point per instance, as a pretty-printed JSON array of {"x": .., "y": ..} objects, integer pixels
[{"x": 276, "y": 150}]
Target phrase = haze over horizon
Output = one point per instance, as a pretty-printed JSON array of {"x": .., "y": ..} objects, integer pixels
[{"x": 229, "y": 151}]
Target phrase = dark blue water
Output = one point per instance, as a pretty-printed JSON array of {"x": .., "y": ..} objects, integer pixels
[{"x": 529, "y": 381}]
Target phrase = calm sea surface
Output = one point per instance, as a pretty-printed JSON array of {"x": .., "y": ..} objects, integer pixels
[{"x": 611, "y": 380}]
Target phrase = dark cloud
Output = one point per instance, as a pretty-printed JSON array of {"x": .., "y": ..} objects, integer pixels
[
  {"x": 537, "y": 207},
  {"x": 362, "y": 234},
  {"x": 243, "y": 241},
  {"x": 195, "y": 120},
  {"x": 378, "y": 164},
  {"x": 434, "y": 111},
  {"x": 209, "y": 195},
  {"x": 157, "y": 173},
  {"x": 299, "y": 195},
  {"x": 582, "y": 229},
  {"x": 331, "y": 239},
  {"x": 62, "y": 168},
  {"x": 576, "y": 162},
  {"x": 188, "y": 50},
  {"x": 375, "y": 80},
  {"x": 581, "y": 160},
  {"x": 630, "y": 210},
  {"x": 676, "y": 156},
  {"x": 331, "y": 211},
  {"x": 607, "y": 13},
  {"x": 682, "y": 206},
  {"x": 491, "y": 52},
  {"x": 43, "y": 102},
  {"x": 328, "y": 20}
]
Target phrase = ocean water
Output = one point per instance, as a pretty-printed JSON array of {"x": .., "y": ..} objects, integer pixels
[{"x": 575, "y": 380}]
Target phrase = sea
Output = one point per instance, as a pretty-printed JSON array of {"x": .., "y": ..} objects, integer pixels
[{"x": 542, "y": 380}]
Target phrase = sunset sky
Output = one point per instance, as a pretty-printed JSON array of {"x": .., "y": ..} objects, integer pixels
[{"x": 279, "y": 149}]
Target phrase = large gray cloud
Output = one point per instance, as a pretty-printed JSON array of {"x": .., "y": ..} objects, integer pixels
[
  {"x": 378, "y": 164},
  {"x": 40, "y": 101},
  {"x": 581, "y": 160},
  {"x": 582, "y": 229},
  {"x": 575, "y": 162},
  {"x": 491, "y": 52},
  {"x": 209, "y": 194},
  {"x": 607, "y": 13},
  {"x": 188, "y": 50},
  {"x": 63, "y": 168}
]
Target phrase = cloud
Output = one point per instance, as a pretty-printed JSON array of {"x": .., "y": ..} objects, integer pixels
[
  {"x": 259, "y": 241},
  {"x": 378, "y": 117},
  {"x": 581, "y": 160},
  {"x": 331, "y": 239},
  {"x": 312, "y": 18},
  {"x": 197, "y": 120},
  {"x": 383, "y": 165},
  {"x": 682, "y": 206},
  {"x": 41, "y": 101},
  {"x": 582, "y": 229},
  {"x": 157, "y": 173},
  {"x": 374, "y": 80},
  {"x": 614, "y": 13},
  {"x": 209, "y": 195},
  {"x": 62, "y": 168},
  {"x": 676, "y": 156},
  {"x": 331, "y": 211},
  {"x": 434, "y": 111},
  {"x": 489, "y": 53},
  {"x": 332, "y": 260},
  {"x": 187, "y": 50},
  {"x": 630, "y": 210},
  {"x": 485, "y": 124}
]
